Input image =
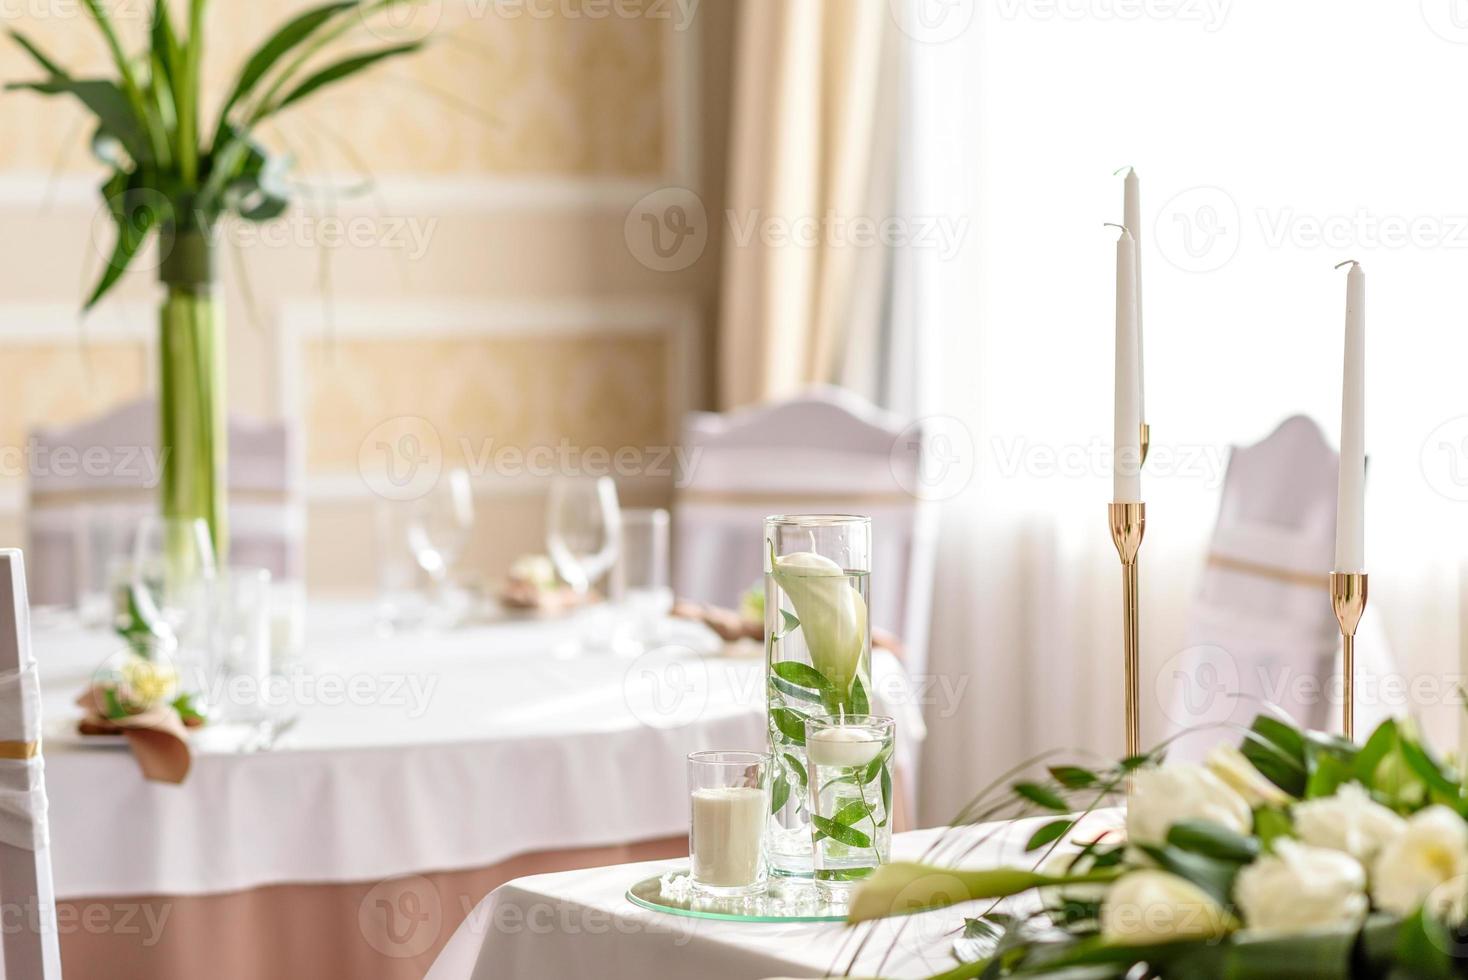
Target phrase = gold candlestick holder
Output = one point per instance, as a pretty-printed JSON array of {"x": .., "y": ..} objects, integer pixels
[
  {"x": 1128, "y": 522},
  {"x": 1348, "y": 599}
]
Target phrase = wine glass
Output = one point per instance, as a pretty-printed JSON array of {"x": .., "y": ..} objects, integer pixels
[
  {"x": 171, "y": 588},
  {"x": 439, "y": 526},
  {"x": 583, "y": 529}
]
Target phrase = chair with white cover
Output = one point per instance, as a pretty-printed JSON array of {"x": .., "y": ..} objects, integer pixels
[
  {"x": 1261, "y": 630},
  {"x": 29, "y": 947},
  {"x": 108, "y": 468},
  {"x": 827, "y": 451}
]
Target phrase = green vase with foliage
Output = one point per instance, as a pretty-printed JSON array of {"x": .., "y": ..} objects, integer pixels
[{"x": 173, "y": 176}]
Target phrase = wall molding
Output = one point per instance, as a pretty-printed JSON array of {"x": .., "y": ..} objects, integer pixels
[{"x": 676, "y": 317}]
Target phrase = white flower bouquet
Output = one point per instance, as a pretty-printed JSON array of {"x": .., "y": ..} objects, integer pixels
[{"x": 1296, "y": 855}]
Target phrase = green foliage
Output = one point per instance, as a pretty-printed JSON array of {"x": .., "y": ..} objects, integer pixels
[{"x": 148, "y": 117}]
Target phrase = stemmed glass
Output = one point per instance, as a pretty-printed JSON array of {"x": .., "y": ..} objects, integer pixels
[
  {"x": 583, "y": 529},
  {"x": 172, "y": 582},
  {"x": 584, "y": 537},
  {"x": 172, "y": 572},
  {"x": 439, "y": 526}
]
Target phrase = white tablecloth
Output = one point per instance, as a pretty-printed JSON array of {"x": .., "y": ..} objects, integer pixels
[
  {"x": 580, "y": 924},
  {"x": 411, "y": 754}
]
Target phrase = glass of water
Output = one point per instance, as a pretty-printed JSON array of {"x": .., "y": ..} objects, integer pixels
[
  {"x": 642, "y": 581},
  {"x": 729, "y": 797},
  {"x": 850, "y": 769}
]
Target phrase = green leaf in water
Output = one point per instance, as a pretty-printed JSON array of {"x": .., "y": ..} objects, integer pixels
[
  {"x": 779, "y": 793},
  {"x": 797, "y": 768},
  {"x": 860, "y": 703},
  {"x": 791, "y": 724},
  {"x": 849, "y": 836}
]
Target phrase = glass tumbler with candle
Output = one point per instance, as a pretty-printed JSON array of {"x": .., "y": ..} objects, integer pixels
[
  {"x": 849, "y": 760},
  {"x": 730, "y": 802},
  {"x": 818, "y": 646}
]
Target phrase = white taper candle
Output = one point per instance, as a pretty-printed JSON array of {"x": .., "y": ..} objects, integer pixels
[
  {"x": 1132, "y": 211},
  {"x": 1126, "y": 462},
  {"x": 1350, "y": 518}
]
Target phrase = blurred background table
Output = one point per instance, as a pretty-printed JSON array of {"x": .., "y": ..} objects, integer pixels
[{"x": 423, "y": 763}]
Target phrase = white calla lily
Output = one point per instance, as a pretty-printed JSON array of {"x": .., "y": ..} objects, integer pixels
[{"x": 832, "y": 614}]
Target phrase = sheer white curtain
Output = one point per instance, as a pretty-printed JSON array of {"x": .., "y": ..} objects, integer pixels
[{"x": 1273, "y": 141}]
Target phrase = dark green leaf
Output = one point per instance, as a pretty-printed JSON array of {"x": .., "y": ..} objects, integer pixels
[
  {"x": 779, "y": 793},
  {"x": 791, "y": 724},
  {"x": 860, "y": 703},
  {"x": 114, "y": 706},
  {"x": 341, "y": 70},
  {"x": 874, "y": 768},
  {"x": 166, "y": 53},
  {"x": 1214, "y": 876},
  {"x": 1213, "y": 840},
  {"x": 1049, "y": 834},
  {"x": 135, "y": 215},
  {"x": 1278, "y": 752},
  {"x": 107, "y": 103},
  {"x": 803, "y": 675},
  {"x": 41, "y": 58},
  {"x": 292, "y": 33},
  {"x": 847, "y": 816},
  {"x": 849, "y": 836},
  {"x": 886, "y": 795},
  {"x": 796, "y": 768},
  {"x": 1042, "y": 796},
  {"x": 1073, "y": 777}
]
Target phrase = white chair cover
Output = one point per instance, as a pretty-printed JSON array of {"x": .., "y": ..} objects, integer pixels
[
  {"x": 1261, "y": 628},
  {"x": 28, "y": 947},
  {"x": 826, "y": 452},
  {"x": 266, "y": 513}
]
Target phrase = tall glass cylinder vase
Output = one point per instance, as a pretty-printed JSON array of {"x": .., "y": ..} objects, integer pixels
[
  {"x": 192, "y": 409},
  {"x": 818, "y": 650}
]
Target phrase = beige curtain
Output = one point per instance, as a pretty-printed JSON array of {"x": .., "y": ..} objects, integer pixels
[{"x": 808, "y": 81}]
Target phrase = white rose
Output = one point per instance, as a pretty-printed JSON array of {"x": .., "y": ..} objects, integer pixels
[
  {"x": 1299, "y": 887},
  {"x": 1351, "y": 821},
  {"x": 1147, "y": 907},
  {"x": 1427, "y": 862},
  {"x": 1235, "y": 769},
  {"x": 1169, "y": 795}
]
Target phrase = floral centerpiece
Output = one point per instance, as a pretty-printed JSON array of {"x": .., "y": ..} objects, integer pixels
[
  {"x": 1295, "y": 855},
  {"x": 172, "y": 174}
]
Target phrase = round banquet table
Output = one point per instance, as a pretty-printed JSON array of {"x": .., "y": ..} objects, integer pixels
[{"x": 480, "y": 752}]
